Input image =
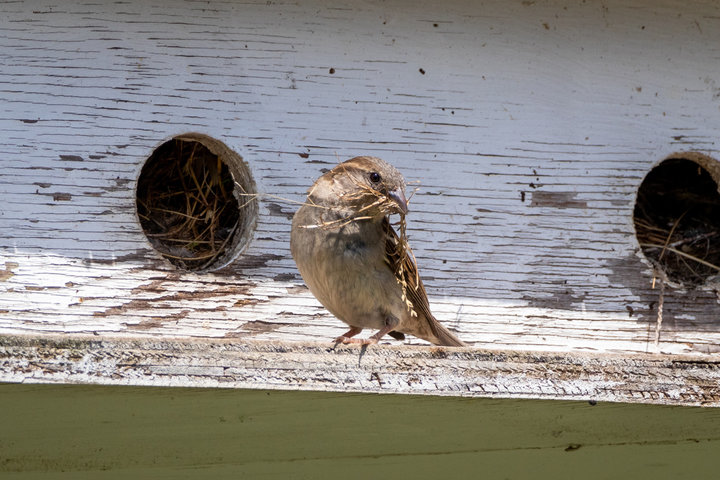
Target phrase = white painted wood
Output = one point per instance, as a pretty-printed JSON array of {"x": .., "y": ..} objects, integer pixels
[{"x": 567, "y": 106}]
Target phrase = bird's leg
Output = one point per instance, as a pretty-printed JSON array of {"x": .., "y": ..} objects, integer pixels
[
  {"x": 381, "y": 333},
  {"x": 347, "y": 336},
  {"x": 389, "y": 327}
]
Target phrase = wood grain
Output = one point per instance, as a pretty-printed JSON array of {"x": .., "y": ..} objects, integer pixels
[
  {"x": 467, "y": 372},
  {"x": 529, "y": 130}
]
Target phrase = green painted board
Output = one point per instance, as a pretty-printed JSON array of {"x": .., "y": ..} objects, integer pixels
[{"x": 101, "y": 432}]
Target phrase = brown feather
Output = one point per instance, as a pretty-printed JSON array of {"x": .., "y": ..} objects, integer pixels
[
  {"x": 400, "y": 259},
  {"x": 353, "y": 200}
]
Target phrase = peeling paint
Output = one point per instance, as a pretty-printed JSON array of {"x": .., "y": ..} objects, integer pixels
[{"x": 541, "y": 198}]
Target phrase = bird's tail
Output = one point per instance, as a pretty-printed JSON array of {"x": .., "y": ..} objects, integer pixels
[{"x": 443, "y": 336}]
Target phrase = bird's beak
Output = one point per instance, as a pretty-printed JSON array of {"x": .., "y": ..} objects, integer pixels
[{"x": 398, "y": 196}]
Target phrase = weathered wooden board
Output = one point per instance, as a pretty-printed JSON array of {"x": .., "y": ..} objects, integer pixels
[
  {"x": 528, "y": 125},
  {"x": 120, "y": 433},
  {"x": 646, "y": 378}
]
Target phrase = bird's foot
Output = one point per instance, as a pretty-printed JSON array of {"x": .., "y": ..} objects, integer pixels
[
  {"x": 356, "y": 341},
  {"x": 346, "y": 337}
]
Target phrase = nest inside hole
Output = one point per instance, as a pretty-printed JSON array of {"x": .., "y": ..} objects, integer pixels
[
  {"x": 186, "y": 205},
  {"x": 677, "y": 221}
]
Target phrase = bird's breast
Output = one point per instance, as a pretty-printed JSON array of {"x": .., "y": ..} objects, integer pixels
[
  {"x": 345, "y": 269},
  {"x": 355, "y": 248}
]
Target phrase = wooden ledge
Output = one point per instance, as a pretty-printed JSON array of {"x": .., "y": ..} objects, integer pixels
[{"x": 467, "y": 372}]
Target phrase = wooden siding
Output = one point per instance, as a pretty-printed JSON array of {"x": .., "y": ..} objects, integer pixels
[{"x": 527, "y": 125}]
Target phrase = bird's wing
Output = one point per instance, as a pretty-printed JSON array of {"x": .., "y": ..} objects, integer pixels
[{"x": 401, "y": 261}]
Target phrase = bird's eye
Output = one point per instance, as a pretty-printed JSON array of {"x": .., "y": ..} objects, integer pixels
[{"x": 375, "y": 177}]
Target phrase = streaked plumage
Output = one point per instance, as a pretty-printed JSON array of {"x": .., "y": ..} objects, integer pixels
[{"x": 352, "y": 259}]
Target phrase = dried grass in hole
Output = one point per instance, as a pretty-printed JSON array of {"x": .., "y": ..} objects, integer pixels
[
  {"x": 677, "y": 221},
  {"x": 186, "y": 205}
]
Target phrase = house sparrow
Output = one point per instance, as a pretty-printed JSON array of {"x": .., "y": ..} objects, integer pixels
[{"x": 353, "y": 261}]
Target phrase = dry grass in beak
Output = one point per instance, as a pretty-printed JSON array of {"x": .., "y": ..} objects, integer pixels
[{"x": 405, "y": 257}]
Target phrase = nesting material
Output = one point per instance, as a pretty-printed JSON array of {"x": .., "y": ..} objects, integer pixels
[
  {"x": 677, "y": 221},
  {"x": 397, "y": 248},
  {"x": 186, "y": 205}
]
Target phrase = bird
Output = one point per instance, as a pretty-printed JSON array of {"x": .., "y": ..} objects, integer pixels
[{"x": 354, "y": 262}]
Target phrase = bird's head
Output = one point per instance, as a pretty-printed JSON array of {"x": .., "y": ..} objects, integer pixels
[{"x": 368, "y": 185}]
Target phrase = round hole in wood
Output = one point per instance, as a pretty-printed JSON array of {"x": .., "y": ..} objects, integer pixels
[
  {"x": 195, "y": 202},
  {"x": 677, "y": 218}
]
